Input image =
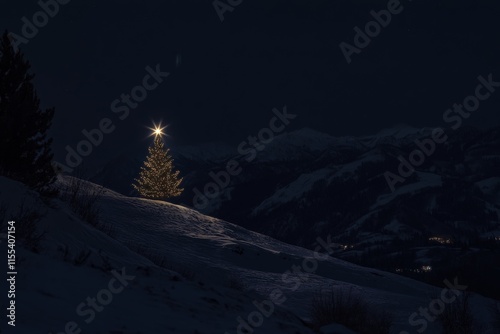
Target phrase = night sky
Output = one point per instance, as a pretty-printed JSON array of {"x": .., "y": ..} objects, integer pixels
[{"x": 226, "y": 77}]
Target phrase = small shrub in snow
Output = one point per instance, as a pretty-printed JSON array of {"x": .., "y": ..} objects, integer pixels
[
  {"x": 105, "y": 262},
  {"x": 156, "y": 258},
  {"x": 65, "y": 252},
  {"x": 347, "y": 308},
  {"x": 81, "y": 258},
  {"x": 27, "y": 232},
  {"x": 495, "y": 310},
  {"x": 457, "y": 318},
  {"x": 107, "y": 229},
  {"x": 185, "y": 272},
  {"x": 161, "y": 261},
  {"x": 83, "y": 198}
]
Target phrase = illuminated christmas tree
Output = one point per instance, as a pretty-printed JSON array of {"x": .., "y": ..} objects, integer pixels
[{"x": 157, "y": 178}]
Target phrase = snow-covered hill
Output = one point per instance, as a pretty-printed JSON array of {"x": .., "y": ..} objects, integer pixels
[
  {"x": 182, "y": 271},
  {"x": 306, "y": 183}
]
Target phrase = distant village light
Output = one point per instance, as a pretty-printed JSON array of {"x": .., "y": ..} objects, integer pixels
[
  {"x": 426, "y": 268},
  {"x": 441, "y": 240}
]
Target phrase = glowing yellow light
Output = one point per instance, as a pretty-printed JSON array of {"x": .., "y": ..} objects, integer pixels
[{"x": 158, "y": 130}]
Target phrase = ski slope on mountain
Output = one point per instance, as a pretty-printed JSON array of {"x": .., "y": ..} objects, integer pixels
[{"x": 192, "y": 273}]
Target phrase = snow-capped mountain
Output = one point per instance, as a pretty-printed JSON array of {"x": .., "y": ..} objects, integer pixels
[{"x": 396, "y": 135}]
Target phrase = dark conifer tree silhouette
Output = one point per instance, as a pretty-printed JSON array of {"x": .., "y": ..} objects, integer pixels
[{"x": 25, "y": 149}]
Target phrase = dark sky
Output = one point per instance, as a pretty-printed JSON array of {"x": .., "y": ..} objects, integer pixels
[{"x": 227, "y": 76}]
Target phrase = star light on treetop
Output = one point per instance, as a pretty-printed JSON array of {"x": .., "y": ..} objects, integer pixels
[{"x": 158, "y": 130}]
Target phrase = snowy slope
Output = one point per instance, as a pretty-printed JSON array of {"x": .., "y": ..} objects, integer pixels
[{"x": 185, "y": 265}]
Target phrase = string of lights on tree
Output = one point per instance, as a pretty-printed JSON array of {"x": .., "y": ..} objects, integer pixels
[{"x": 158, "y": 179}]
